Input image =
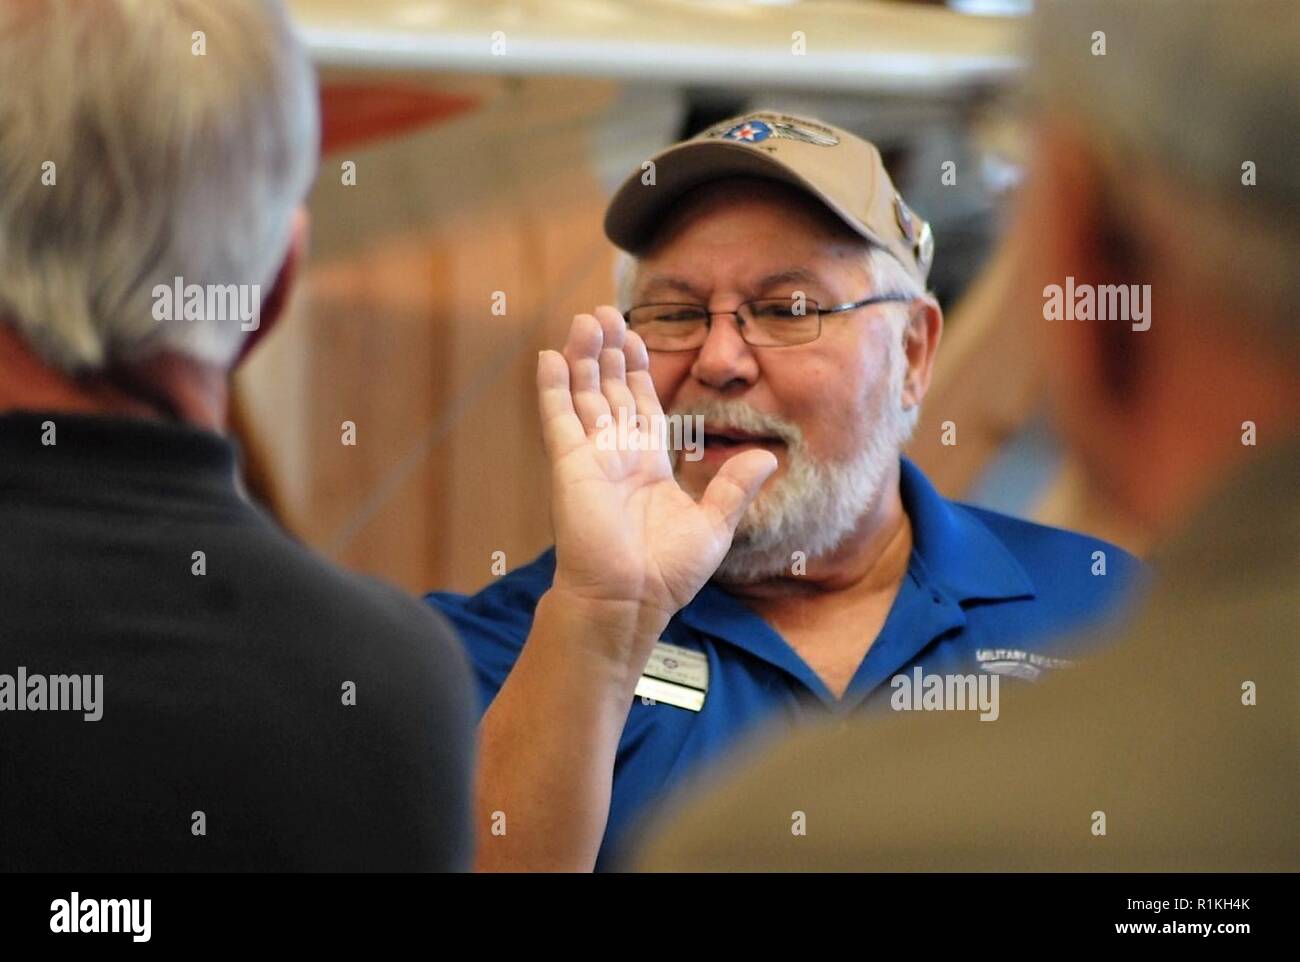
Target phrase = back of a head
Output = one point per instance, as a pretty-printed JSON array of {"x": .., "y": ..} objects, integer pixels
[
  {"x": 143, "y": 141},
  {"x": 1202, "y": 97}
]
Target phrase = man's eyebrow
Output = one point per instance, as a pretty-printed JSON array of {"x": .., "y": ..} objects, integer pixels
[
  {"x": 793, "y": 274},
  {"x": 655, "y": 281},
  {"x": 786, "y": 277}
]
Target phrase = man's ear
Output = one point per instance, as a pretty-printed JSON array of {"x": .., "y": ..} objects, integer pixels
[
  {"x": 277, "y": 299},
  {"x": 921, "y": 334}
]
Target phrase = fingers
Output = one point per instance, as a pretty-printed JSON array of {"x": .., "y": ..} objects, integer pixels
[
  {"x": 737, "y": 484},
  {"x": 637, "y": 360},
  {"x": 594, "y": 351},
  {"x": 612, "y": 326},
  {"x": 582, "y": 351},
  {"x": 562, "y": 431},
  {"x": 613, "y": 382},
  {"x": 613, "y": 365}
]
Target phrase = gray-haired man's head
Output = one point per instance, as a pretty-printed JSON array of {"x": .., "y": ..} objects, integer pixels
[{"x": 142, "y": 141}]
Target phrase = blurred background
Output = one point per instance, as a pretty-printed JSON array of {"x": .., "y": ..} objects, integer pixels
[{"x": 469, "y": 150}]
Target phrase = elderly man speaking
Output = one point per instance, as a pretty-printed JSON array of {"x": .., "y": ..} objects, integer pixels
[{"x": 798, "y": 564}]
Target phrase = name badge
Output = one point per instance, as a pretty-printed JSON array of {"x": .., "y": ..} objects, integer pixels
[{"x": 676, "y": 676}]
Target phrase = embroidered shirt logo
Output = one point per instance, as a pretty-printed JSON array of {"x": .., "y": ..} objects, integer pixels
[{"x": 1028, "y": 665}]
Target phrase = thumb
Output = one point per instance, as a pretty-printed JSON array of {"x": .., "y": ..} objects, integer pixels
[{"x": 736, "y": 484}]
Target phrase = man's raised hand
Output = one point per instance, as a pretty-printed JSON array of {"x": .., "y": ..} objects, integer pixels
[{"x": 626, "y": 534}]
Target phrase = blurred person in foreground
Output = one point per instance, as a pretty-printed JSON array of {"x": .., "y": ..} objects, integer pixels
[
  {"x": 777, "y": 292},
  {"x": 1169, "y": 161},
  {"x": 182, "y": 686}
]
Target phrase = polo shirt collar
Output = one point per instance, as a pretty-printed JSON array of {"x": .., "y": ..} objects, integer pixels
[
  {"x": 962, "y": 557},
  {"x": 955, "y": 559}
]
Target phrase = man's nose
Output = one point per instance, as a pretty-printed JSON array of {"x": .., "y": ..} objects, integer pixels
[{"x": 724, "y": 359}]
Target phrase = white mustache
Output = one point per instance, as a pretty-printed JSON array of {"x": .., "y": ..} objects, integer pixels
[{"x": 739, "y": 416}]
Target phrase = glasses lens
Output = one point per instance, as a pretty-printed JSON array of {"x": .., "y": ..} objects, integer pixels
[
  {"x": 669, "y": 327},
  {"x": 780, "y": 322}
]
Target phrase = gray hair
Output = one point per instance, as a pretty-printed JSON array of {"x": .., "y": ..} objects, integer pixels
[
  {"x": 1186, "y": 93},
  {"x": 164, "y": 163}
]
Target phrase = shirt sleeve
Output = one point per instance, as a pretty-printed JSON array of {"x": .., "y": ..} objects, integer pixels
[{"x": 493, "y": 635}]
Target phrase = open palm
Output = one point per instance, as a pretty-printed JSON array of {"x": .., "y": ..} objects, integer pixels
[{"x": 625, "y": 531}]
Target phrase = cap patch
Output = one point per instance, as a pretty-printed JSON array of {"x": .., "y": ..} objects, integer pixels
[
  {"x": 754, "y": 130},
  {"x": 750, "y": 132},
  {"x": 906, "y": 222}
]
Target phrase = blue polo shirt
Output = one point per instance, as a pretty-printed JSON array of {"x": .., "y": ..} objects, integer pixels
[{"x": 983, "y": 592}]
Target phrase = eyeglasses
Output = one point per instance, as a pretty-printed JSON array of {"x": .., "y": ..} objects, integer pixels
[{"x": 770, "y": 322}]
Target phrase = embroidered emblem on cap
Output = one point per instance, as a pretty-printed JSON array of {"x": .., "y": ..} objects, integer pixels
[
  {"x": 906, "y": 222},
  {"x": 805, "y": 133},
  {"x": 925, "y": 247},
  {"x": 916, "y": 231},
  {"x": 754, "y": 130},
  {"x": 750, "y": 132}
]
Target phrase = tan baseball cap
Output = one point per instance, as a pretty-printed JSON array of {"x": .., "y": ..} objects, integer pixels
[{"x": 841, "y": 170}]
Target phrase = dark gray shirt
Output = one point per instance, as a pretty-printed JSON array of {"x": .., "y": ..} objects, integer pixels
[{"x": 260, "y": 709}]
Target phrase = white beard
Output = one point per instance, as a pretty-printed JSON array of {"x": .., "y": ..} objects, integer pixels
[{"x": 816, "y": 505}]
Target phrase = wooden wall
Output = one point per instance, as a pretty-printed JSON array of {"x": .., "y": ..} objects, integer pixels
[{"x": 393, "y": 329}]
